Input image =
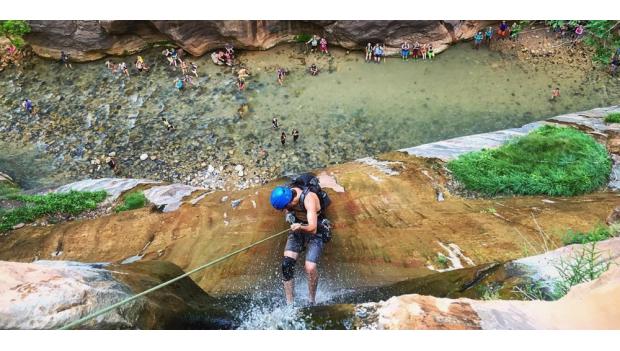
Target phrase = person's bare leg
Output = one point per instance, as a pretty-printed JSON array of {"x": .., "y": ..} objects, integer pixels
[
  {"x": 289, "y": 286},
  {"x": 313, "y": 280}
]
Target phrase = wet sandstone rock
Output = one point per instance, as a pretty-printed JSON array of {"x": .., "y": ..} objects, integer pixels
[
  {"x": 51, "y": 294},
  {"x": 92, "y": 40}
]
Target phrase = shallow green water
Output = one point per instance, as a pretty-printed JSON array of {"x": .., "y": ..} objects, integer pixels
[{"x": 352, "y": 109}]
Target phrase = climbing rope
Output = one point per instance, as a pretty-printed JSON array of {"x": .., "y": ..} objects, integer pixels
[{"x": 120, "y": 303}]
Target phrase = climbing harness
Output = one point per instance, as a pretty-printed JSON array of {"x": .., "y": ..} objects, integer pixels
[{"x": 206, "y": 265}]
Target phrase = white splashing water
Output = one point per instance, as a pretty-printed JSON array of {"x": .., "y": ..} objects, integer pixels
[{"x": 271, "y": 313}]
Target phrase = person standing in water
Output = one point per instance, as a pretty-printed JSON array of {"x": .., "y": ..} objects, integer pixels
[
  {"x": 369, "y": 50},
  {"x": 295, "y": 135},
  {"x": 274, "y": 123},
  {"x": 27, "y": 105},
  {"x": 283, "y": 138},
  {"x": 488, "y": 35},
  {"x": 555, "y": 93},
  {"x": 194, "y": 68},
  {"x": 304, "y": 204},
  {"x": 478, "y": 40},
  {"x": 281, "y": 73}
]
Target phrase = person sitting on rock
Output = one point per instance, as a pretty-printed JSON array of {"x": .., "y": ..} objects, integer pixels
[
  {"x": 429, "y": 52},
  {"x": 415, "y": 53},
  {"x": 230, "y": 50},
  {"x": 378, "y": 53},
  {"x": 323, "y": 46},
  {"x": 64, "y": 58},
  {"x": 424, "y": 51},
  {"x": 314, "y": 42},
  {"x": 404, "y": 51},
  {"x": 579, "y": 32},
  {"x": 228, "y": 59},
  {"x": 503, "y": 30},
  {"x": 314, "y": 70}
]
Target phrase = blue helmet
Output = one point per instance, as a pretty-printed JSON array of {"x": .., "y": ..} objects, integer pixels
[{"x": 280, "y": 197}]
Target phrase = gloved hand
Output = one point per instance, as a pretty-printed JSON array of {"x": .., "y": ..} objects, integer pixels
[{"x": 289, "y": 218}]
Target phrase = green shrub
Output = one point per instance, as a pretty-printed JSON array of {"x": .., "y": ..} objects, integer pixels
[
  {"x": 551, "y": 160},
  {"x": 302, "y": 38},
  {"x": 132, "y": 201},
  {"x": 613, "y": 118},
  {"x": 14, "y": 30},
  {"x": 442, "y": 260},
  {"x": 36, "y": 206},
  {"x": 599, "y": 233}
]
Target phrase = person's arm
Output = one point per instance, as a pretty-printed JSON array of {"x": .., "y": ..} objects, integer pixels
[{"x": 311, "y": 202}]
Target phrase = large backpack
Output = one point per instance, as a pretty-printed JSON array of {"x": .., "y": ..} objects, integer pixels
[{"x": 308, "y": 182}]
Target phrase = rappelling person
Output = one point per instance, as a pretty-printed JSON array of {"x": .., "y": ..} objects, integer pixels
[{"x": 304, "y": 204}]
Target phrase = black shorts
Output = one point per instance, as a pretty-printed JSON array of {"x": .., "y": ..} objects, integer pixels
[{"x": 311, "y": 243}]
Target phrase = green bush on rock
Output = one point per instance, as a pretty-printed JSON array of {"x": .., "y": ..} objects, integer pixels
[
  {"x": 552, "y": 161},
  {"x": 613, "y": 118},
  {"x": 14, "y": 30},
  {"x": 36, "y": 206},
  {"x": 132, "y": 201}
]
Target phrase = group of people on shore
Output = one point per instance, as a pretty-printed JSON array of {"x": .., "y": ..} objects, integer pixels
[
  {"x": 416, "y": 51},
  {"x": 319, "y": 43},
  {"x": 504, "y": 31},
  {"x": 174, "y": 57}
]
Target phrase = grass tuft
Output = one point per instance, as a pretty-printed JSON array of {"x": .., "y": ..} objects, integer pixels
[
  {"x": 36, "y": 206},
  {"x": 551, "y": 160},
  {"x": 132, "y": 201},
  {"x": 613, "y": 118}
]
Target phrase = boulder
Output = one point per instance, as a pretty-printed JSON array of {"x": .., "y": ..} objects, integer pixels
[{"x": 51, "y": 294}]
